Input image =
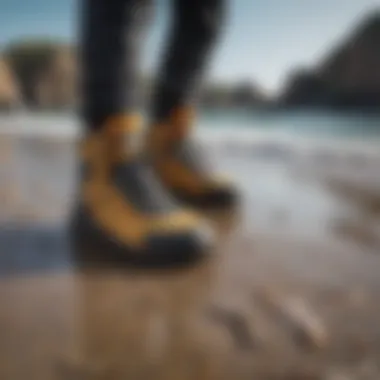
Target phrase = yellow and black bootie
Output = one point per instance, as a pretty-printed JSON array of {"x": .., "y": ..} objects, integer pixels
[
  {"x": 182, "y": 167},
  {"x": 124, "y": 208}
]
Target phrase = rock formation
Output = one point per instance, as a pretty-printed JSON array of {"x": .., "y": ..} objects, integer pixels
[
  {"x": 349, "y": 77},
  {"x": 46, "y": 72},
  {"x": 9, "y": 90},
  {"x": 243, "y": 94},
  {"x": 56, "y": 86}
]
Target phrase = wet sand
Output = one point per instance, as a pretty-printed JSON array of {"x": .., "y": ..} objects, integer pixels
[{"x": 290, "y": 292}]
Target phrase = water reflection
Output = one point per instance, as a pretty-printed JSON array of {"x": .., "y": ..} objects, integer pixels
[{"x": 59, "y": 320}]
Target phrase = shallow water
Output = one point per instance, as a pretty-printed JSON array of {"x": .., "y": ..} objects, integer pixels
[{"x": 275, "y": 158}]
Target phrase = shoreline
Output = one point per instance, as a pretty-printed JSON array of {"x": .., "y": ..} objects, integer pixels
[{"x": 291, "y": 289}]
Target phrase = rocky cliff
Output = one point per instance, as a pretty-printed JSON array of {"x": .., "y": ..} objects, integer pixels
[
  {"x": 10, "y": 96},
  {"x": 56, "y": 87},
  {"x": 46, "y": 72},
  {"x": 349, "y": 77}
]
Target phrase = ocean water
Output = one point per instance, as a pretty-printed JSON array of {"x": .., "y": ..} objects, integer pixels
[
  {"x": 247, "y": 133},
  {"x": 244, "y": 133},
  {"x": 267, "y": 154},
  {"x": 219, "y": 124}
]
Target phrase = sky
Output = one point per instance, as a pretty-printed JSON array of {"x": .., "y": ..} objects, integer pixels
[{"x": 262, "y": 42}]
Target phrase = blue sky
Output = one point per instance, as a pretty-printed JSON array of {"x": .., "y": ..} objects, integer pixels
[{"x": 263, "y": 39}]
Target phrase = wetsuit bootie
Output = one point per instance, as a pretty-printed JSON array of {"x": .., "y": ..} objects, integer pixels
[
  {"x": 180, "y": 164},
  {"x": 122, "y": 203}
]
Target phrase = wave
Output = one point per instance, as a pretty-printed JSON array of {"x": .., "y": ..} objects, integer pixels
[{"x": 234, "y": 140}]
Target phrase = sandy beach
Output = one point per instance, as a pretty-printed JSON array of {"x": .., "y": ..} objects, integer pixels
[
  {"x": 290, "y": 292},
  {"x": 286, "y": 97}
]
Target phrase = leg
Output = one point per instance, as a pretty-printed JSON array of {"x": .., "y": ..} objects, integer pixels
[
  {"x": 122, "y": 206},
  {"x": 196, "y": 26},
  {"x": 110, "y": 40}
]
